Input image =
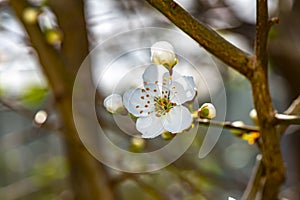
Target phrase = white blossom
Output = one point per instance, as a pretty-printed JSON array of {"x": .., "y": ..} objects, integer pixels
[
  {"x": 113, "y": 103},
  {"x": 158, "y": 105},
  {"x": 162, "y": 53}
]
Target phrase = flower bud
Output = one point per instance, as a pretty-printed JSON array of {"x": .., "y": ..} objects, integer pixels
[
  {"x": 40, "y": 117},
  {"x": 30, "y": 15},
  {"x": 162, "y": 53},
  {"x": 207, "y": 111},
  {"x": 137, "y": 144},
  {"x": 114, "y": 104},
  {"x": 167, "y": 135},
  {"x": 53, "y": 36},
  {"x": 253, "y": 116}
]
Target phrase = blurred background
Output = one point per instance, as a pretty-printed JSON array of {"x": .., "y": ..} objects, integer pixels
[{"x": 32, "y": 160}]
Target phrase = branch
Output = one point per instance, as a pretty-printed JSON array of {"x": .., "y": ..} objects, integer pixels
[
  {"x": 205, "y": 36},
  {"x": 228, "y": 125},
  {"x": 270, "y": 139},
  {"x": 262, "y": 31},
  {"x": 87, "y": 175},
  {"x": 49, "y": 57},
  {"x": 52, "y": 125},
  {"x": 17, "y": 108},
  {"x": 74, "y": 46},
  {"x": 254, "y": 184},
  {"x": 287, "y": 119},
  {"x": 294, "y": 109}
]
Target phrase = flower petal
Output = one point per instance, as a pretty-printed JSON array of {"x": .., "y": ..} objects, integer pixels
[
  {"x": 150, "y": 126},
  {"x": 182, "y": 89},
  {"x": 139, "y": 102},
  {"x": 178, "y": 119},
  {"x": 154, "y": 74}
]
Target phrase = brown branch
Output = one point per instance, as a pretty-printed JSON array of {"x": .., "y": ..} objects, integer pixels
[
  {"x": 74, "y": 46},
  {"x": 205, "y": 36},
  {"x": 88, "y": 179},
  {"x": 262, "y": 30},
  {"x": 270, "y": 139}
]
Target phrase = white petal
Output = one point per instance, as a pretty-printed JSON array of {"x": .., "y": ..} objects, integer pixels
[
  {"x": 139, "y": 102},
  {"x": 113, "y": 103},
  {"x": 152, "y": 89},
  {"x": 178, "y": 119},
  {"x": 162, "y": 53},
  {"x": 182, "y": 89},
  {"x": 154, "y": 74},
  {"x": 150, "y": 126}
]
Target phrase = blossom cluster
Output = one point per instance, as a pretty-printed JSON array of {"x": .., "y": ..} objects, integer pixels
[{"x": 159, "y": 105}]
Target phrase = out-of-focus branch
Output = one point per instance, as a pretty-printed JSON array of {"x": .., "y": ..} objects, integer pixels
[
  {"x": 74, "y": 46},
  {"x": 17, "y": 108},
  {"x": 205, "y": 36},
  {"x": 52, "y": 125},
  {"x": 88, "y": 179},
  {"x": 255, "y": 182}
]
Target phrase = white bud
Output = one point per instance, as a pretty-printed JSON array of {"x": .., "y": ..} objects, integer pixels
[
  {"x": 113, "y": 103},
  {"x": 207, "y": 111},
  {"x": 238, "y": 123},
  {"x": 162, "y": 53},
  {"x": 40, "y": 117},
  {"x": 253, "y": 116}
]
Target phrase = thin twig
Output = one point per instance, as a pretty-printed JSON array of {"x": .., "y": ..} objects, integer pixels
[
  {"x": 17, "y": 108},
  {"x": 52, "y": 125},
  {"x": 254, "y": 184},
  {"x": 287, "y": 119},
  {"x": 228, "y": 125},
  {"x": 294, "y": 109}
]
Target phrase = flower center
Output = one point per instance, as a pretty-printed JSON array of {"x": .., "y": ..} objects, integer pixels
[{"x": 163, "y": 105}]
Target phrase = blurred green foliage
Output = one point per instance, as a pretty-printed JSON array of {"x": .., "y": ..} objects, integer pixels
[{"x": 33, "y": 96}]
